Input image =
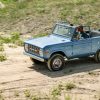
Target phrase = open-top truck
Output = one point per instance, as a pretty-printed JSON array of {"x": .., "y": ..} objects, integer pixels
[{"x": 64, "y": 43}]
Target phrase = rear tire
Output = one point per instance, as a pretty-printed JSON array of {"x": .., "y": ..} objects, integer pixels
[
  {"x": 35, "y": 61},
  {"x": 97, "y": 56},
  {"x": 56, "y": 62}
]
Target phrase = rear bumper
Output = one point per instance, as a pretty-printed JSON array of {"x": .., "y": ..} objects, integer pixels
[{"x": 35, "y": 57}]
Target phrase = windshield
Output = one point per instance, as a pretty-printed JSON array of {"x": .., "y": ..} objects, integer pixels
[{"x": 63, "y": 30}]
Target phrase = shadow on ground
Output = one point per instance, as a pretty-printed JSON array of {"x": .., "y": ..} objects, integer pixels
[{"x": 72, "y": 67}]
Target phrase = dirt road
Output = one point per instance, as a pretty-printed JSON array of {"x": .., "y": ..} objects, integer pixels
[{"x": 18, "y": 73}]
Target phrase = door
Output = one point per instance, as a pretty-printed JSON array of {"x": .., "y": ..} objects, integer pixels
[{"x": 82, "y": 47}]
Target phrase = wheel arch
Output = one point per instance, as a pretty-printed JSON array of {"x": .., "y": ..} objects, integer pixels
[{"x": 58, "y": 52}]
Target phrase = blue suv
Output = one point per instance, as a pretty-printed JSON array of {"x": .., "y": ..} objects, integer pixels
[{"x": 66, "y": 42}]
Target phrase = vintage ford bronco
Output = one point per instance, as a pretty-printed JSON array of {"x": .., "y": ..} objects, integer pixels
[{"x": 66, "y": 42}]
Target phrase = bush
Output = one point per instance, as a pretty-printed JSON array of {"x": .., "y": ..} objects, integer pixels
[
  {"x": 15, "y": 36},
  {"x": 70, "y": 86},
  {"x": 1, "y": 48},
  {"x": 5, "y": 39},
  {"x": 27, "y": 93},
  {"x": 19, "y": 42},
  {"x": 3, "y": 57}
]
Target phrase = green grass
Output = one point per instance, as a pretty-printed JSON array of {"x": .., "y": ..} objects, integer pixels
[
  {"x": 70, "y": 86},
  {"x": 75, "y": 11},
  {"x": 27, "y": 93},
  {"x": 67, "y": 97},
  {"x": 13, "y": 38},
  {"x": 2, "y": 57},
  {"x": 1, "y": 48}
]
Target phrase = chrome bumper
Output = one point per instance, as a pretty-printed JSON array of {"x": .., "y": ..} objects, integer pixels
[{"x": 35, "y": 57}]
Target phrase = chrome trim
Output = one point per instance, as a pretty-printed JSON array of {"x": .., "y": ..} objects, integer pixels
[{"x": 33, "y": 56}]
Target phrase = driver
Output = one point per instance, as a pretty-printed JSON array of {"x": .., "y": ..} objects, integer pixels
[{"x": 82, "y": 32}]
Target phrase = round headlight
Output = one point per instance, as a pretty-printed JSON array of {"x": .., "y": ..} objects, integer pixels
[{"x": 26, "y": 47}]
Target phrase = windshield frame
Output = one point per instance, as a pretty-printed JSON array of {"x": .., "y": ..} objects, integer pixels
[{"x": 63, "y": 25}]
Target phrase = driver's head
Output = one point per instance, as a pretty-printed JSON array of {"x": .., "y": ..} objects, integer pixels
[{"x": 80, "y": 28}]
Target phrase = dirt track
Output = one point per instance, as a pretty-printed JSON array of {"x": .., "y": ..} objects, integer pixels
[{"x": 18, "y": 74}]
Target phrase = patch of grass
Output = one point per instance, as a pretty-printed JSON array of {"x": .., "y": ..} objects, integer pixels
[
  {"x": 67, "y": 97},
  {"x": 1, "y": 48},
  {"x": 13, "y": 38},
  {"x": 55, "y": 92},
  {"x": 5, "y": 39},
  {"x": 75, "y": 11},
  {"x": 27, "y": 93},
  {"x": 19, "y": 42},
  {"x": 1, "y": 97},
  {"x": 2, "y": 57},
  {"x": 70, "y": 86},
  {"x": 34, "y": 97}
]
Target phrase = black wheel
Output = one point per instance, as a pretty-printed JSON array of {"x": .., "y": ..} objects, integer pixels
[
  {"x": 56, "y": 62},
  {"x": 35, "y": 61},
  {"x": 97, "y": 56}
]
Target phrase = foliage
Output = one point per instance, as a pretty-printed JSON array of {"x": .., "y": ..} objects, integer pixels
[
  {"x": 1, "y": 97},
  {"x": 13, "y": 38},
  {"x": 27, "y": 93},
  {"x": 1, "y": 48},
  {"x": 2, "y": 57},
  {"x": 34, "y": 97},
  {"x": 70, "y": 86},
  {"x": 67, "y": 97},
  {"x": 76, "y": 11}
]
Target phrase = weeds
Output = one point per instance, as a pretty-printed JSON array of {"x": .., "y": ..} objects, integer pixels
[
  {"x": 13, "y": 38},
  {"x": 34, "y": 97},
  {"x": 55, "y": 92},
  {"x": 1, "y": 97},
  {"x": 58, "y": 90},
  {"x": 2, "y": 57},
  {"x": 67, "y": 97},
  {"x": 19, "y": 42},
  {"x": 5, "y": 39},
  {"x": 70, "y": 86},
  {"x": 27, "y": 93},
  {"x": 1, "y": 48}
]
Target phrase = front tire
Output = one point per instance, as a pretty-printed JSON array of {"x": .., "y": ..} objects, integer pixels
[
  {"x": 56, "y": 62},
  {"x": 97, "y": 56}
]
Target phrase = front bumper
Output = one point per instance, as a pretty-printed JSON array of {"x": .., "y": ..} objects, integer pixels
[{"x": 35, "y": 57}]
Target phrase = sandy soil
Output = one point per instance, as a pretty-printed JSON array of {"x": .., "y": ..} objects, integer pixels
[{"x": 18, "y": 73}]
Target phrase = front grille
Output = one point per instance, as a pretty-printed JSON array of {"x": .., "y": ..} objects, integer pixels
[{"x": 33, "y": 49}]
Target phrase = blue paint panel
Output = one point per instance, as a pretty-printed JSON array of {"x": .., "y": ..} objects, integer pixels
[
  {"x": 82, "y": 47},
  {"x": 95, "y": 44}
]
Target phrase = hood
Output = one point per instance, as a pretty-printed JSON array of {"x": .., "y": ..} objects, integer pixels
[{"x": 47, "y": 40}]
